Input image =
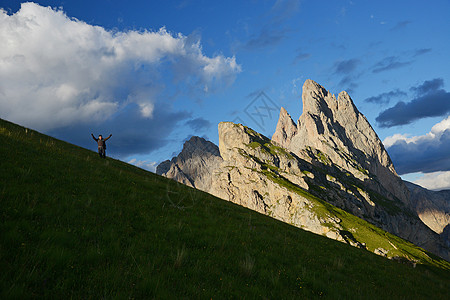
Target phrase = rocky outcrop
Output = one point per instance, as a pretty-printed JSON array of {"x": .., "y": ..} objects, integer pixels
[
  {"x": 194, "y": 165},
  {"x": 433, "y": 208},
  {"x": 252, "y": 174},
  {"x": 337, "y": 129}
]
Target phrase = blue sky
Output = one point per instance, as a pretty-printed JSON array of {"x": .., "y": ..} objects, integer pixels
[{"x": 153, "y": 73}]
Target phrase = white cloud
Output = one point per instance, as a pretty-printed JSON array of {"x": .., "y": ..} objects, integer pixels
[
  {"x": 57, "y": 71},
  {"x": 147, "y": 110},
  {"x": 144, "y": 164},
  {"x": 440, "y": 127},
  {"x": 391, "y": 140},
  {"x": 435, "y": 181},
  {"x": 434, "y": 135},
  {"x": 424, "y": 153}
]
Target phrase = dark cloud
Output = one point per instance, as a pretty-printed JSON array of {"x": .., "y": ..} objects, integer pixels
[
  {"x": 400, "y": 25},
  {"x": 272, "y": 31},
  {"x": 423, "y": 51},
  {"x": 266, "y": 37},
  {"x": 339, "y": 46},
  {"x": 429, "y": 86},
  {"x": 389, "y": 63},
  {"x": 431, "y": 105},
  {"x": 430, "y": 101},
  {"x": 346, "y": 80},
  {"x": 198, "y": 124},
  {"x": 283, "y": 9},
  {"x": 385, "y": 98},
  {"x": 132, "y": 133},
  {"x": 346, "y": 66},
  {"x": 301, "y": 56},
  {"x": 396, "y": 62},
  {"x": 428, "y": 154},
  {"x": 348, "y": 83}
]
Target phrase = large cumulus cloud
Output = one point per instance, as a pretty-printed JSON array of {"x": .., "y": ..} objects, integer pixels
[
  {"x": 426, "y": 153},
  {"x": 58, "y": 73}
]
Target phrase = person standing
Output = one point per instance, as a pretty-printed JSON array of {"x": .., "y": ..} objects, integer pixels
[{"x": 101, "y": 144}]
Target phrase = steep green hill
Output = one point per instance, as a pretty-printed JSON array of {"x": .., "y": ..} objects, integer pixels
[{"x": 75, "y": 225}]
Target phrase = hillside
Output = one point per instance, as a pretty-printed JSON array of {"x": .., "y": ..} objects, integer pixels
[{"x": 74, "y": 225}]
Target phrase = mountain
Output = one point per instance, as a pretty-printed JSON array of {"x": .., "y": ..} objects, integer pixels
[
  {"x": 76, "y": 226},
  {"x": 433, "y": 208},
  {"x": 323, "y": 174},
  {"x": 336, "y": 128},
  {"x": 198, "y": 157}
]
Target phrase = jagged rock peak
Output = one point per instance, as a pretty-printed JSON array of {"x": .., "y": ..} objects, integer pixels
[
  {"x": 317, "y": 100},
  {"x": 286, "y": 129},
  {"x": 314, "y": 96},
  {"x": 336, "y": 128},
  {"x": 194, "y": 165}
]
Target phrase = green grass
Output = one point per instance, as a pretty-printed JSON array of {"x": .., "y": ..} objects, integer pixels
[{"x": 75, "y": 226}]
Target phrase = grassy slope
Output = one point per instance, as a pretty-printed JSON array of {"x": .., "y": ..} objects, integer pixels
[{"x": 73, "y": 225}]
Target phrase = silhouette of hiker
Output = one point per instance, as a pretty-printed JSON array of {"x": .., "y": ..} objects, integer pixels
[{"x": 101, "y": 144}]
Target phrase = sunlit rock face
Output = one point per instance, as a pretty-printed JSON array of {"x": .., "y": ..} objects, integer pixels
[
  {"x": 336, "y": 128},
  {"x": 433, "y": 208}
]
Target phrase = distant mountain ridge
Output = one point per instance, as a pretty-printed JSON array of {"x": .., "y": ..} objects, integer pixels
[
  {"x": 198, "y": 157},
  {"x": 331, "y": 156}
]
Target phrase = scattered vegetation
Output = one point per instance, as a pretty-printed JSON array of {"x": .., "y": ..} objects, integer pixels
[
  {"x": 263, "y": 142},
  {"x": 323, "y": 158},
  {"x": 307, "y": 173},
  {"x": 76, "y": 226}
]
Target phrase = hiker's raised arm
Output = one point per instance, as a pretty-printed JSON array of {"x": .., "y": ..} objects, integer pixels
[
  {"x": 108, "y": 137},
  {"x": 94, "y": 137}
]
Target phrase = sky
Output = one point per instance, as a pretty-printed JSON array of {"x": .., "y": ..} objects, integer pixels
[{"x": 154, "y": 73}]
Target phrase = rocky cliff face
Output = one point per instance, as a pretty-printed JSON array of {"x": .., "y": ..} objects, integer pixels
[
  {"x": 433, "y": 208},
  {"x": 254, "y": 173},
  {"x": 336, "y": 128},
  {"x": 318, "y": 175}
]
